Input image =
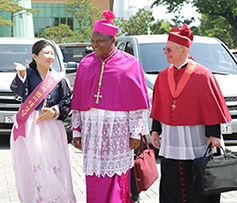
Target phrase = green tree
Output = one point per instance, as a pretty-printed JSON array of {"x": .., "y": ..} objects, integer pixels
[
  {"x": 161, "y": 27},
  {"x": 224, "y": 8},
  {"x": 120, "y": 23},
  {"x": 14, "y": 9},
  {"x": 86, "y": 14},
  {"x": 59, "y": 34},
  {"x": 136, "y": 25},
  {"x": 220, "y": 28},
  {"x": 179, "y": 20},
  {"x": 4, "y": 22}
]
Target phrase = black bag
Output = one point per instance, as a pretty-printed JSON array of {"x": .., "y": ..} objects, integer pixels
[
  {"x": 65, "y": 105},
  {"x": 214, "y": 174}
]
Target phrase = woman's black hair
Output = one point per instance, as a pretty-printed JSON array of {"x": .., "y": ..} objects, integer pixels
[{"x": 36, "y": 48}]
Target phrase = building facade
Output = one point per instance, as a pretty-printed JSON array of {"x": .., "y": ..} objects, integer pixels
[{"x": 53, "y": 14}]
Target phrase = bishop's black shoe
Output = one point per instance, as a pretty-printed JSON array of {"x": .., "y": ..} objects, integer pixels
[{"x": 135, "y": 198}]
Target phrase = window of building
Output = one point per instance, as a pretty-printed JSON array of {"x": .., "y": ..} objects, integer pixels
[
  {"x": 48, "y": 16},
  {"x": 55, "y": 14},
  {"x": 35, "y": 19},
  {"x": 62, "y": 14},
  {"x": 52, "y": 15},
  {"x": 70, "y": 20},
  {"x": 41, "y": 18}
]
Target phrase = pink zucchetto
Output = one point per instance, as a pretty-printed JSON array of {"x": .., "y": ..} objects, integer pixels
[
  {"x": 181, "y": 36},
  {"x": 106, "y": 26}
]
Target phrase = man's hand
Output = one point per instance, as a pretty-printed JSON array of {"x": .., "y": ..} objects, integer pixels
[
  {"x": 134, "y": 143},
  {"x": 155, "y": 140},
  {"x": 47, "y": 113},
  {"x": 77, "y": 142},
  {"x": 216, "y": 142}
]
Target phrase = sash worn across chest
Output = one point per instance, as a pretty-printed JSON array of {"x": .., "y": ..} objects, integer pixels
[{"x": 33, "y": 100}]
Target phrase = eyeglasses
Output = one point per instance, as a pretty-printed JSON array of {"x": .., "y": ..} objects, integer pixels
[
  {"x": 98, "y": 42},
  {"x": 171, "y": 49}
]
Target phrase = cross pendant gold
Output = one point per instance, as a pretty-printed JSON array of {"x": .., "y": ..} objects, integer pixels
[
  {"x": 98, "y": 96},
  {"x": 174, "y": 105}
]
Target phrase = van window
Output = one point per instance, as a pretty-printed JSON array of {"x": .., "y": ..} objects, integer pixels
[
  {"x": 129, "y": 48},
  {"x": 120, "y": 45},
  {"x": 153, "y": 59},
  {"x": 214, "y": 56},
  {"x": 75, "y": 53},
  {"x": 20, "y": 53}
]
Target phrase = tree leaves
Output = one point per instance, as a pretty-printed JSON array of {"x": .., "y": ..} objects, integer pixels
[
  {"x": 86, "y": 14},
  {"x": 59, "y": 34},
  {"x": 13, "y": 8}
]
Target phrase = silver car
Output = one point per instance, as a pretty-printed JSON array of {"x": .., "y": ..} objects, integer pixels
[{"x": 210, "y": 52}]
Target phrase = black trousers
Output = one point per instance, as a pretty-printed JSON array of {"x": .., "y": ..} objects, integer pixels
[
  {"x": 176, "y": 185},
  {"x": 134, "y": 190},
  {"x": 133, "y": 184}
]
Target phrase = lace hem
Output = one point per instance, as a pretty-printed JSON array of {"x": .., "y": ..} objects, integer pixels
[
  {"x": 138, "y": 121},
  {"x": 106, "y": 139},
  {"x": 76, "y": 119}
]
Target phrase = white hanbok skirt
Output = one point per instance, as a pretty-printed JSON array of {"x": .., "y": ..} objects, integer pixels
[{"x": 41, "y": 162}]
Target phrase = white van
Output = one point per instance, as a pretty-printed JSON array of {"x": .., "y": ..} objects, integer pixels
[
  {"x": 210, "y": 52},
  {"x": 13, "y": 49}
]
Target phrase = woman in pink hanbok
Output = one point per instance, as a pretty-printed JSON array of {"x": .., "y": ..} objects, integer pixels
[{"x": 40, "y": 154}]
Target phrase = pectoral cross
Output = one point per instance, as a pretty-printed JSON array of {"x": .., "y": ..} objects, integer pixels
[
  {"x": 174, "y": 105},
  {"x": 98, "y": 96}
]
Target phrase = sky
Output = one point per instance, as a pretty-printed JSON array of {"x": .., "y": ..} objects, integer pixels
[{"x": 159, "y": 12}]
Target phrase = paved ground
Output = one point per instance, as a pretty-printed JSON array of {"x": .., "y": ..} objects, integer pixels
[{"x": 8, "y": 193}]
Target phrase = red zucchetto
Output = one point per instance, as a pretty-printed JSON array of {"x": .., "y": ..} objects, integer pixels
[{"x": 181, "y": 36}]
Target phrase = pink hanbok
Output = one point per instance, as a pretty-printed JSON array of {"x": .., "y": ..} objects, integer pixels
[{"x": 41, "y": 162}]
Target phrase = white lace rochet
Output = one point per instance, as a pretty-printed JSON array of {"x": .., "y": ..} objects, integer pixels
[{"x": 106, "y": 136}]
